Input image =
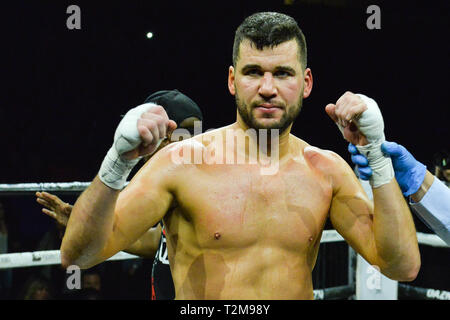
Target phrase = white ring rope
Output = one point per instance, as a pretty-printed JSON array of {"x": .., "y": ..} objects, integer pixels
[
  {"x": 330, "y": 236},
  {"x": 44, "y": 186},
  {"x": 73, "y": 187},
  {"x": 431, "y": 240},
  {"x": 44, "y": 258}
]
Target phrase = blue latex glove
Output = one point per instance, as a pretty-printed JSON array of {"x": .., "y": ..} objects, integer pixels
[
  {"x": 409, "y": 172},
  {"x": 362, "y": 165}
]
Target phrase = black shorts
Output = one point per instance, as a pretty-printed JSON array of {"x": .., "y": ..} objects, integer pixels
[{"x": 162, "y": 282}]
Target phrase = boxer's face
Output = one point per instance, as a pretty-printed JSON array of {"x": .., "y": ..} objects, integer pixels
[{"x": 269, "y": 85}]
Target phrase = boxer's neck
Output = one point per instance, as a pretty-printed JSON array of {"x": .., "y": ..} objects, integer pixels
[{"x": 279, "y": 141}]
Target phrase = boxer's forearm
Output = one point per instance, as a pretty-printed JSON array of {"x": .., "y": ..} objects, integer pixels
[
  {"x": 90, "y": 224},
  {"x": 395, "y": 234}
]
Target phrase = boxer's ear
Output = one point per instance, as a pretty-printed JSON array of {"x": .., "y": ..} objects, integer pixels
[
  {"x": 231, "y": 87},
  {"x": 308, "y": 82}
]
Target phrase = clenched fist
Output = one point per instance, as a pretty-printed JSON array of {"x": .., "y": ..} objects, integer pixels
[
  {"x": 140, "y": 133},
  {"x": 358, "y": 117}
]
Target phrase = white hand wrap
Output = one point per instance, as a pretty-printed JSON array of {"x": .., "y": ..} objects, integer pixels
[
  {"x": 371, "y": 125},
  {"x": 115, "y": 169}
]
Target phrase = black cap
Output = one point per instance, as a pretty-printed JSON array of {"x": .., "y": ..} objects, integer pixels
[{"x": 177, "y": 105}]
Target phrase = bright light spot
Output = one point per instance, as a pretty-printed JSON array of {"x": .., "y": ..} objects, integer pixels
[{"x": 149, "y": 35}]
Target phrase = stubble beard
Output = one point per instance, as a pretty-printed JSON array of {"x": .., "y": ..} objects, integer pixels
[{"x": 288, "y": 117}]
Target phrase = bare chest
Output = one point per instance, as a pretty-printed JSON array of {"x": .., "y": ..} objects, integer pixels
[{"x": 239, "y": 207}]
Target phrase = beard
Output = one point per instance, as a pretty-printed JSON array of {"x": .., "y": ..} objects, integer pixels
[{"x": 289, "y": 115}]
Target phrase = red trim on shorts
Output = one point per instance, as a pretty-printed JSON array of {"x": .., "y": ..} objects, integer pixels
[{"x": 153, "y": 289}]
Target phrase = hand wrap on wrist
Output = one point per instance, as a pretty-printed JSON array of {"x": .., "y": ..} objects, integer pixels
[
  {"x": 371, "y": 126},
  {"x": 381, "y": 165},
  {"x": 115, "y": 169}
]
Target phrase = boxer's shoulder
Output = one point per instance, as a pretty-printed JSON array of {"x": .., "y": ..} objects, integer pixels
[
  {"x": 330, "y": 165},
  {"x": 163, "y": 167},
  {"x": 322, "y": 159}
]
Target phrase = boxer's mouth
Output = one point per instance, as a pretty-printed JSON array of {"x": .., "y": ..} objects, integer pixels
[{"x": 269, "y": 106}]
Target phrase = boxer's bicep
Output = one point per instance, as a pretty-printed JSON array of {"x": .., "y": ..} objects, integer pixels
[
  {"x": 147, "y": 245},
  {"x": 141, "y": 205},
  {"x": 351, "y": 214}
]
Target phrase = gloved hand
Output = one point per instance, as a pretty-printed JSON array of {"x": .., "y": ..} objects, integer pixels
[
  {"x": 365, "y": 172},
  {"x": 409, "y": 172}
]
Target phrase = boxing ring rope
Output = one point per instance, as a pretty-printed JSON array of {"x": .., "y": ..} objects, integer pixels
[
  {"x": 52, "y": 257},
  {"x": 25, "y": 188},
  {"x": 422, "y": 293},
  {"x": 44, "y": 258}
]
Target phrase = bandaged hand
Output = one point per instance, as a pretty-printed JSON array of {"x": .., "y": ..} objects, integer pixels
[
  {"x": 138, "y": 134},
  {"x": 361, "y": 123},
  {"x": 409, "y": 172}
]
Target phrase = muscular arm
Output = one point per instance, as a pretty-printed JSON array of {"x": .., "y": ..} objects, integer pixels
[
  {"x": 105, "y": 221},
  {"x": 54, "y": 207},
  {"x": 383, "y": 232},
  {"x": 147, "y": 245}
]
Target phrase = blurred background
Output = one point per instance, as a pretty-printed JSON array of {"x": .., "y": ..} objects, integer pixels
[{"x": 63, "y": 92}]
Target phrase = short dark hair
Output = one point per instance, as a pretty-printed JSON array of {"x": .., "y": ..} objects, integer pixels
[{"x": 269, "y": 29}]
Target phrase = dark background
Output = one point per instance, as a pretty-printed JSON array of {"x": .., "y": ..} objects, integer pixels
[{"x": 63, "y": 91}]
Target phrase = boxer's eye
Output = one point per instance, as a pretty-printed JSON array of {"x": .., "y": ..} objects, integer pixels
[
  {"x": 282, "y": 74},
  {"x": 253, "y": 72}
]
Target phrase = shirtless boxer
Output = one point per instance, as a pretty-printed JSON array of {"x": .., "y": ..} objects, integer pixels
[{"x": 234, "y": 233}]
